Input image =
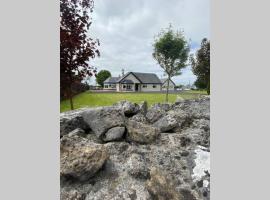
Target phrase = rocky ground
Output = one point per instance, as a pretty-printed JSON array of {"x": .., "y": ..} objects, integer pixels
[{"x": 129, "y": 151}]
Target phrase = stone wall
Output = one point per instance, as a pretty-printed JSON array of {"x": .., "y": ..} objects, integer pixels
[{"x": 129, "y": 151}]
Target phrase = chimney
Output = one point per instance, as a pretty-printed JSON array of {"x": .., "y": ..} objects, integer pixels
[{"x": 123, "y": 72}]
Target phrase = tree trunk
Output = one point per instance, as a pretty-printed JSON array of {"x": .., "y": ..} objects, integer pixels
[
  {"x": 71, "y": 102},
  {"x": 70, "y": 98},
  {"x": 167, "y": 91},
  {"x": 208, "y": 85}
]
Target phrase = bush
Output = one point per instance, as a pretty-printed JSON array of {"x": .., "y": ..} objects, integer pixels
[{"x": 76, "y": 88}]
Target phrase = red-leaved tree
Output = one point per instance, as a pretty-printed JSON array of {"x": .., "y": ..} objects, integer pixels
[{"x": 76, "y": 47}]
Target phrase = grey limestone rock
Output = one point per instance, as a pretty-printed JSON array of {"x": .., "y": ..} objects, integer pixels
[
  {"x": 141, "y": 133},
  {"x": 115, "y": 133},
  {"x": 79, "y": 158},
  {"x": 100, "y": 120}
]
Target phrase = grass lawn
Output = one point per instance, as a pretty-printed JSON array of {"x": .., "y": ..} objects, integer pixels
[{"x": 91, "y": 99}]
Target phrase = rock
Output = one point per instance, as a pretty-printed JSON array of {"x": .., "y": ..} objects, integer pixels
[
  {"x": 141, "y": 133},
  {"x": 77, "y": 131},
  {"x": 189, "y": 194},
  {"x": 70, "y": 123},
  {"x": 128, "y": 108},
  {"x": 166, "y": 123},
  {"x": 198, "y": 136},
  {"x": 125, "y": 173},
  {"x": 143, "y": 108},
  {"x": 79, "y": 158},
  {"x": 115, "y": 133},
  {"x": 71, "y": 195},
  {"x": 100, "y": 120},
  {"x": 203, "y": 124},
  {"x": 162, "y": 106},
  {"x": 117, "y": 148},
  {"x": 153, "y": 115},
  {"x": 157, "y": 111},
  {"x": 185, "y": 141},
  {"x": 161, "y": 186},
  {"x": 139, "y": 118},
  {"x": 197, "y": 109},
  {"x": 136, "y": 166}
]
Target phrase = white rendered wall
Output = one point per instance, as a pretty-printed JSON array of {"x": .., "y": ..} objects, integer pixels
[
  {"x": 171, "y": 85},
  {"x": 150, "y": 88}
]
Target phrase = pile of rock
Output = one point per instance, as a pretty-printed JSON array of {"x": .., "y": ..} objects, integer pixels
[{"x": 127, "y": 151}]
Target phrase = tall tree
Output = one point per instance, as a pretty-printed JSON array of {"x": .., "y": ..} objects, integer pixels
[
  {"x": 171, "y": 51},
  {"x": 201, "y": 65},
  {"x": 102, "y": 76},
  {"x": 76, "y": 47}
]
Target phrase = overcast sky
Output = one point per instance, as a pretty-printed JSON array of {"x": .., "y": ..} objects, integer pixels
[{"x": 126, "y": 30}]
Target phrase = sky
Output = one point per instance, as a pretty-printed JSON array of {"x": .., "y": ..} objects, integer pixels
[{"x": 126, "y": 31}]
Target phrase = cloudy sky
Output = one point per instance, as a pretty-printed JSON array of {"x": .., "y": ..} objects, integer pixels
[{"x": 126, "y": 30}]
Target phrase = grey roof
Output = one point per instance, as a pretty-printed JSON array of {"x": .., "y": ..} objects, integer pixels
[
  {"x": 144, "y": 77},
  {"x": 111, "y": 80},
  {"x": 127, "y": 81}
]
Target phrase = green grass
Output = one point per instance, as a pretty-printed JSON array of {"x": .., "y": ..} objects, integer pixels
[{"x": 90, "y": 99}]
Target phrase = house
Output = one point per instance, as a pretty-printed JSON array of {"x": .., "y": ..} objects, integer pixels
[
  {"x": 138, "y": 82},
  {"x": 164, "y": 82},
  {"x": 134, "y": 82},
  {"x": 110, "y": 83}
]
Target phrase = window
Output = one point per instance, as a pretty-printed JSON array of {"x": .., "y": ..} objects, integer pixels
[
  {"x": 105, "y": 86},
  {"x": 144, "y": 86},
  {"x": 154, "y": 86},
  {"x": 124, "y": 86},
  {"x": 129, "y": 87}
]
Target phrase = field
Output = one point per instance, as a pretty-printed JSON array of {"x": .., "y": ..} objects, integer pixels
[{"x": 91, "y": 99}]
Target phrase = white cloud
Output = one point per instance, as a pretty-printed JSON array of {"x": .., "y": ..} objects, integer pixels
[{"x": 126, "y": 30}]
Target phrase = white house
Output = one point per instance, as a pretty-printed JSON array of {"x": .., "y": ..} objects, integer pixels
[
  {"x": 134, "y": 82},
  {"x": 164, "y": 82},
  {"x": 110, "y": 83}
]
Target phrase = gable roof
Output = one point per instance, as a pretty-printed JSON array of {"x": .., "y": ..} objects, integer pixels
[
  {"x": 111, "y": 80},
  {"x": 149, "y": 78},
  {"x": 163, "y": 80}
]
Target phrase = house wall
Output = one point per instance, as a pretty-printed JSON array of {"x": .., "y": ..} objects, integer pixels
[
  {"x": 110, "y": 86},
  {"x": 133, "y": 78},
  {"x": 171, "y": 85},
  {"x": 117, "y": 87},
  {"x": 150, "y": 88}
]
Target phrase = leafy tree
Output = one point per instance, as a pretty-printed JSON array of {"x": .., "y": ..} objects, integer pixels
[
  {"x": 201, "y": 65},
  {"x": 102, "y": 76},
  {"x": 171, "y": 51},
  {"x": 76, "y": 48},
  {"x": 200, "y": 84}
]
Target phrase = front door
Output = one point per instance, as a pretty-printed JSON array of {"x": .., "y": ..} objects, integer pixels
[{"x": 136, "y": 87}]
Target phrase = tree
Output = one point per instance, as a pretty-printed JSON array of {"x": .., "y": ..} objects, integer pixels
[
  {"x": 200, "y": 84},
  {"x": 171, "y": 51},
  {"x": 76, "y": 47},
  {"x": 102, "y": 76},
  {"x": 201, "y": 65}
]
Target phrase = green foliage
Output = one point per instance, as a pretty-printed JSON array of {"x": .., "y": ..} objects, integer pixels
[
  {"x": 90, "y": 99},
  {"x": 76, "y": 47},
  {"x": 171, "y": 51},
  {"x": 179, "y": 86},
  {"x": 102, "y": 76},
  {"x": 200, "y": 84},
  {"x": 201, "y": 65}
]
